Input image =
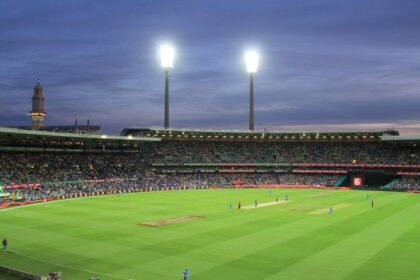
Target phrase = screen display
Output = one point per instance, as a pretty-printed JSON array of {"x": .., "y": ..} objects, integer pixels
[{"x": 357, "y": 181}]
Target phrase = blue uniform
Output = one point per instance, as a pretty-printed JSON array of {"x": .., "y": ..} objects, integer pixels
[
  {"x": 287, "y": 197},
  {"x": 230, "y": 205},
  {"x": 331, "y": 210},
  {"x": 185, "y": 274}
]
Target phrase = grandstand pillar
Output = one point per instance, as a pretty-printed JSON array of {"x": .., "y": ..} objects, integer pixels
[
  {"x": 166, "y": 124},
  {"x": 251, "y": 101}
]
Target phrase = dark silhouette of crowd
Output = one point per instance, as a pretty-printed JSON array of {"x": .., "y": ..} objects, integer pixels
[
  {"x": 68, "y": 189},
  {"x": 61, "y": 174},
  {"x": 217, "y": 179},
  {"x": 409, "y": 183},
  {"x": 49, "y": 167},
  {"x": 163, "y": 182},
  {"x": 281, "y": 152}
]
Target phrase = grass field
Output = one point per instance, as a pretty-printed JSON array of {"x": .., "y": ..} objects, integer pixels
[{"x": 104, "y": 236}]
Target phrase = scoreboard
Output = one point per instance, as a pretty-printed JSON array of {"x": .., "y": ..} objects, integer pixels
[
  {"x": 357, "y": 181},
  {"x": 370, "y": 178}
]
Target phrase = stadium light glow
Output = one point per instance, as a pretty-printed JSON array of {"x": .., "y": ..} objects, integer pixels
[
  {"x": 167, "y": 55},
  {"x": 251, "y": 60}
]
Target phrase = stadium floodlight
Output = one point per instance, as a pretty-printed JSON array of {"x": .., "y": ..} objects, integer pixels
[
  {"x": 251, "y": 60},
  {"x": 167, "y": 55}
]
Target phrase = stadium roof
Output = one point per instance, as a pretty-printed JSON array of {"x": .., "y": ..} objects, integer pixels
[
  {"x": 14, "y": 132},
  {"x": 247, "y": 135},
  {"x": 20, "y": 138},
  {"x": 62, "y": 127},
  {"x": 402, "y": 138}
]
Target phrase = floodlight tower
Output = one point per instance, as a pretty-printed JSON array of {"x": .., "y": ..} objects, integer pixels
[
  {"x": 167, "y": 54},
  {"x": 251, "y": 59}
]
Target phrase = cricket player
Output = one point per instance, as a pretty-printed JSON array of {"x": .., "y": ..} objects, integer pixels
[
  {"x": 239, "y": 205},
  {"x": 230, "y": 205},
  {"x": 331, "y": 210},
  {"x": 256, "y": 203},
  {"x": 185, "y": 273},
  {"x": 4, "y": 244}
]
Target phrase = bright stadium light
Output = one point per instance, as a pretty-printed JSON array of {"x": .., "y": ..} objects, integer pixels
[
  {"x": 251, "y": 60},
  {"x": 167, "y": 55}
]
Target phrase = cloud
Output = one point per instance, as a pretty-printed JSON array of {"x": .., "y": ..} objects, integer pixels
[{"x": 323, "y": 62}]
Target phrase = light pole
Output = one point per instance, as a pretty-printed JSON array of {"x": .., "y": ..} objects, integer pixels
[
  {"x": 167, "y": 54},
  {"x": 251, "y": 59}
]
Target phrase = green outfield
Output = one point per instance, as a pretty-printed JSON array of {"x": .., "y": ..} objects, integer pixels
[{"x": 156, "y": 235}]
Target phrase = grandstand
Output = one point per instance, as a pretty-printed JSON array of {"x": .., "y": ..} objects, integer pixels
[{"x": 49, "y": 165}]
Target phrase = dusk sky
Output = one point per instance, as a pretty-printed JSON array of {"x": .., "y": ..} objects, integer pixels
[{"x": 324, "y": 64}]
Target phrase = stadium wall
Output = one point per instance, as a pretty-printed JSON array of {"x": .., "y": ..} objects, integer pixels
[{"x": 20, "y": 274}]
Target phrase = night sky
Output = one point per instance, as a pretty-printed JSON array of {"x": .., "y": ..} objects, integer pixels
[{"x": 327, "y": 64}]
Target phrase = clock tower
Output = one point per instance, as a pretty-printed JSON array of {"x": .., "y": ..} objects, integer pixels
[{"x": 37, "y": 114}]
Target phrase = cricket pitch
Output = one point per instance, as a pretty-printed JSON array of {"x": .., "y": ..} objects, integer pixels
[
  {"x": 266, "y": 204},
  {"x": 171, "y": 221}
]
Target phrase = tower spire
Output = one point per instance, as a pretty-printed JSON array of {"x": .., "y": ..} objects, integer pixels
[{"x": 37, "y": 114}]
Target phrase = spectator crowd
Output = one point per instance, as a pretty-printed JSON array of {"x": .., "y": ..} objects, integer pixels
[
  {"x": 61, "y": 174},
  {"x": 405, "y": 184},
  {"x": 281, "y": 152},
  {"x": 162, "y": 182}
]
